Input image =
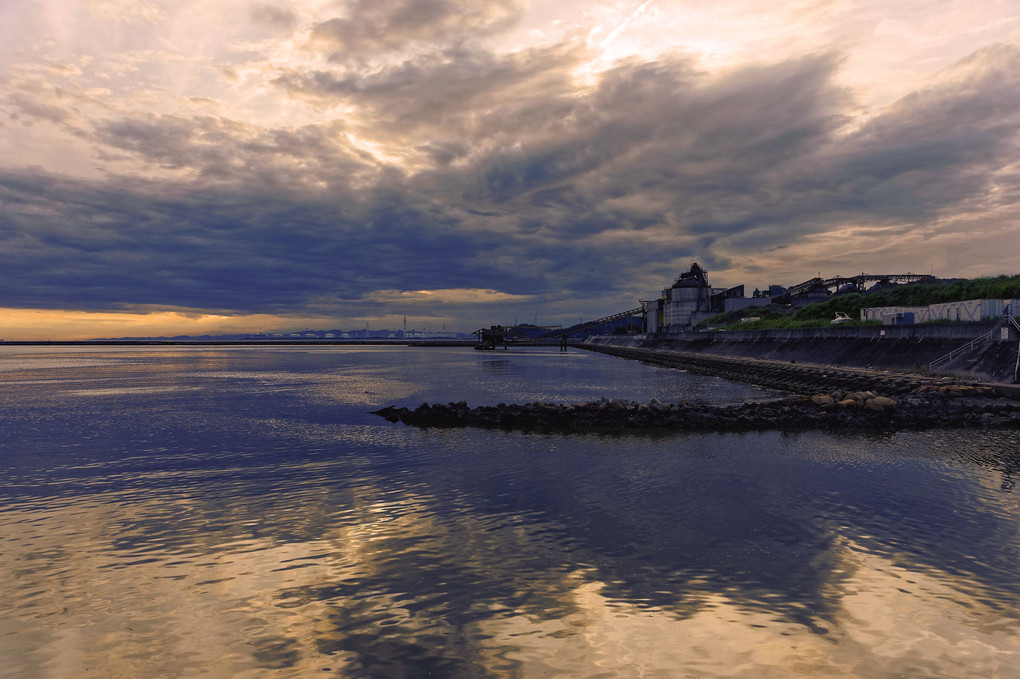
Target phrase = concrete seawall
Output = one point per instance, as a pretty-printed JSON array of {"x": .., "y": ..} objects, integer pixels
[
  {"x": 822, "y": 360},
  {"x": 828, "y": 396}
]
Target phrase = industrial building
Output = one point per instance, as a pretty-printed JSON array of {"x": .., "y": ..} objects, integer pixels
[
  {"x": 973, "y": 310},
  {"x": 691, "y": 300}
]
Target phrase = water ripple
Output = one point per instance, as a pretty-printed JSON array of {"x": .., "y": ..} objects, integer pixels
[{"x": 231, "y": 513}]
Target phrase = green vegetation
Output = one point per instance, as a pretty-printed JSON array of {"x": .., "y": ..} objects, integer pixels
[
  {"x": 821, "y": 313},
  {"x": 923, "y": 294}
]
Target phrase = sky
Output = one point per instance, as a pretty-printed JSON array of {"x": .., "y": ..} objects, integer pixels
[{"x": 196, "y": 167}]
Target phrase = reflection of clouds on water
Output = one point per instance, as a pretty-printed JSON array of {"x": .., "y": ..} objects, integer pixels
[
  {"x": 184, "y": 588},
  {"x": 127, "y": 391},
  {"x": 260, "y": 527},
  {"x": 17, "y": 363},
  {"x": 389, "y": 583},
  {"x": 888, "y": 622}
]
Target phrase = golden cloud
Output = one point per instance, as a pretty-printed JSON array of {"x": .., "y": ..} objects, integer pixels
[{"x": 447, "y": 296}]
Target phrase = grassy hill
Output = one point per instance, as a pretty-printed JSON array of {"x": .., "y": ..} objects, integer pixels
[{"x": 912, "y": 294}]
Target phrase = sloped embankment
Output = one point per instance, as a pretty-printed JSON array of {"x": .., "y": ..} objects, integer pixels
[
  {"x": 992, "y": 361},
  {"x": 790, "y": 376}
]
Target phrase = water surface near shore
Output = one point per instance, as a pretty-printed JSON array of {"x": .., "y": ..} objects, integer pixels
[{"x": 237, "y": 511}]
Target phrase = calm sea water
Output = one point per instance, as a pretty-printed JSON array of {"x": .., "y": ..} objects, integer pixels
[{"x": 213, "y": 512}]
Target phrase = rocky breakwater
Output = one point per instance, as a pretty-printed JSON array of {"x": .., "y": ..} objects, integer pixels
[{"x": 925, "y": 408}]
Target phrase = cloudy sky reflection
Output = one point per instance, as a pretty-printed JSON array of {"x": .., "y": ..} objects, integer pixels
[{"x": 367, "y": 575}]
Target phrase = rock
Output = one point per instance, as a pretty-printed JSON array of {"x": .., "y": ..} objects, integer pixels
[
  {"x": 854, "y": 410},
  {"x": 390, "y": 413},
  {"x": 879, "y": 403}
]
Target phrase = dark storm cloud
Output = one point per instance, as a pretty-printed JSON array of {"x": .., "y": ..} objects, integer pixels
[
  {"x": 936, "y": 149},
  {"x": 165, "y": 140},
  {"x": 706, "y": 150},
  {"x": 443, "y": 89},
  {"x": 229, "y": 151},
  {"x": 102, "y": 247},
  {"x": 762, "y": 156},
  {"x": 769, "y": 146},
  {"x": 536, "y": 186},
  {"x": 373, "y": 26}
]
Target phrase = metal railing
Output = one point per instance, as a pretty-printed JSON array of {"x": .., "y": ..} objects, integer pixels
[{"x": 986, "y": 337}]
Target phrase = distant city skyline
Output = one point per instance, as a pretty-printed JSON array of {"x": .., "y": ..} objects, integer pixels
[{"x": 187, "y": 168}]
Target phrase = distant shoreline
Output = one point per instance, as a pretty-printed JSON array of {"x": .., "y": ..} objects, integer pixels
[{"x": 253, "y": 342}]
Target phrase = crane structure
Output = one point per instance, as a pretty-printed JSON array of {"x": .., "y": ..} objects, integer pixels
[
  {"x": 493, "y": 336},
  {"x": 858, "y": 282}
]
